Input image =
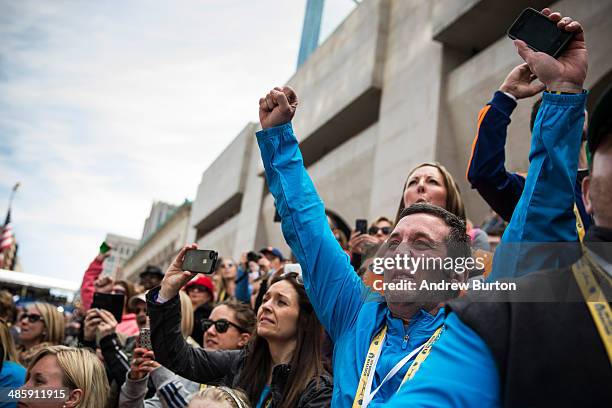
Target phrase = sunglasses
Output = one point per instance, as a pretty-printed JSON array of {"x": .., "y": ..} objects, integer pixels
[
  {"x": 374, "y": 230},
  {"x": 32, "y": 318},
  {"x": 229, "y": 265},
  {"x": 221, "y": 325}
]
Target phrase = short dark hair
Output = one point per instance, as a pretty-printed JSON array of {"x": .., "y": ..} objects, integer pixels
[
  {"x": 243, "y": 313},
  {"x": 534, "y": 113},
  {"x": 458, "y": 241}
]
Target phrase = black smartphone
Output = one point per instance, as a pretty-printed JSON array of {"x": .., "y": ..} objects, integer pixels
[
  {"x": 104, "y": 247},
  {"x": 539, "y": 33},
  {"x": 144, "y": 339},
  {"x": 361, "y": 225},
  {"x": 200, "y": 261},
  {"x": 110, "y": 302}
]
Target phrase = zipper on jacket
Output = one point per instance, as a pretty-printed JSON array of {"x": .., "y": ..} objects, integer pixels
[{"x": 405, "y": 342}]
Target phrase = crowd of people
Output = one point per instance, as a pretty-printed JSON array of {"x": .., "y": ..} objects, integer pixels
[{"x": 322, "y": 327}]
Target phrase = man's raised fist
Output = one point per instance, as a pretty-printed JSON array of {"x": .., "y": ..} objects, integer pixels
[{"x": 277, "y": 107}]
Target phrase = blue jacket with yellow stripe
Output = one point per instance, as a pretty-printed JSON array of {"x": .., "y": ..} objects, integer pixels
[{"x": 351, "y": 313}]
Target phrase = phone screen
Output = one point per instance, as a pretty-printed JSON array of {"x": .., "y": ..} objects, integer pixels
[
  {"x": 539, "y": 33},
  {"x": 109, "y": 302},
  {"x": 361, "y": 225}
]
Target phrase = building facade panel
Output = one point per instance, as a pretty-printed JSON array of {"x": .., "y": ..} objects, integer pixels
[{"x": 161, "y": 247}]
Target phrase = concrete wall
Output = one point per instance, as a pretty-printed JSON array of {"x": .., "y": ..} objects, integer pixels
[{"x": 398, "y": 83}]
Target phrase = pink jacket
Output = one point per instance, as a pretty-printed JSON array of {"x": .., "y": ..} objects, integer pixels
[{"x": 87, "y": 286}]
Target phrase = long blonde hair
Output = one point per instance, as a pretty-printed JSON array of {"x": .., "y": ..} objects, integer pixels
[
  {"x": 454, "y": 203},
  {"x": 186, "y": 314},
  {"x": 82, "y": 370},
  {"x": 54, "y": 322},
  {"x": 8, "y": 345}
]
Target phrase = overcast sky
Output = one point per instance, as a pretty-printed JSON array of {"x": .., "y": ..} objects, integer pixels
[{"x": 106, "y": 106}]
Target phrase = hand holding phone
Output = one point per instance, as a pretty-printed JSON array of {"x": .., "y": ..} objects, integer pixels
[
  {"x": 568, "y": 72},
  {"x": 176, "y": 277}
]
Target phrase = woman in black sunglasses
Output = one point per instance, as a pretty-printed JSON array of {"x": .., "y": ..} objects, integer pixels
[
  {"x": 281, "y": 365},
  {"x": 41, "y": 325},
  {"x": 229, "y": 326}
]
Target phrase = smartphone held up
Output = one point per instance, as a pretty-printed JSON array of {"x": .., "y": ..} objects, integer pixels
[
  {"x": 200, "y": 261},
  {"x": 539, "y": 33}
]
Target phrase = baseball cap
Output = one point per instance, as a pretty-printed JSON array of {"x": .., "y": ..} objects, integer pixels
[
  {"x": 203, "y": 281},
  {"x": 136, "y": 298},
  {"x": 274, "y": 252}
]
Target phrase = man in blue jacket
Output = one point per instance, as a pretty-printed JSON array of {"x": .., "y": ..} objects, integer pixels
[
  {"x": 375, "y": 340},
  {"x": 530, "y": 353}
]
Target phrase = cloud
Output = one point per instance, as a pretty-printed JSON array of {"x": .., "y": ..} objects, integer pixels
[{"x": 106, "y": 106}]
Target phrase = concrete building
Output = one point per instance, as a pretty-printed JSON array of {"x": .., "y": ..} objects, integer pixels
[
  {"x": 160, "y": 211},
  {"x": 123, "y": 248},
  {"x": 399, "y": 82},
  {"x": 162, "y": 245}
]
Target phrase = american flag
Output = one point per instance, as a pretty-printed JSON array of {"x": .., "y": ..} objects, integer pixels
[{"x": 8, "y": 244}]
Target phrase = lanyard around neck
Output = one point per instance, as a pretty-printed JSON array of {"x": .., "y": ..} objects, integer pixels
[{"x": 364, "y": 394}]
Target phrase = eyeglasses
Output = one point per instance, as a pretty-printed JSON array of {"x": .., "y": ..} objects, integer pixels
[
  {"x": 229, "y": 265},
  {"x": 221, "y": 325},
  {"x": 374, "y": 230},
  {"x": 32, "y": 318}
]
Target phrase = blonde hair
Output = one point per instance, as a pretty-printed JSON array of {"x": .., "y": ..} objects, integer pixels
[
  {"x": 82, "y": 370},
  {"x": 186, "y": 314},
  {"x": 8, "y": 345},
  {"x": 221, "y": 286},
  {"x": 54, "y": 322},
  {"x": 229, "y": 397},
  {"x": 454, "y": 203}
]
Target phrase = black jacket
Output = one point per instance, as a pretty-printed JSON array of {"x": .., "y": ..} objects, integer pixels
[
  {"x": 217, "y": 367},
  {"x": 543, "y": 338}
]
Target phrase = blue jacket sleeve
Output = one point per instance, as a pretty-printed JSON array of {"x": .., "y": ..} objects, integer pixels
[
  {"x": 334, "y": 289},
  {"x": 243, "y": 292},
  {"x": 486, "y": 169},
  {"x": 459, "y": 372},
  {"x": 545, "y": 212}
]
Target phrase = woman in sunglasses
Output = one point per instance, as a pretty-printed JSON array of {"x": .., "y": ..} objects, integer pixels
[
  {"x": 377, "y": 233},
  {"x": 41, "y": 325},
  {"x": 280, "y": 366},
  {"x": 229, "y": 326}
]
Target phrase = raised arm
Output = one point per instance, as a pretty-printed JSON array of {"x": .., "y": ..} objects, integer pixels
[
  {"x": 333, "y": 287},
  {"x": 170, "y": 348},
  {"x": 545, "y": 212},
  {"x": 487, "y": 166}
]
